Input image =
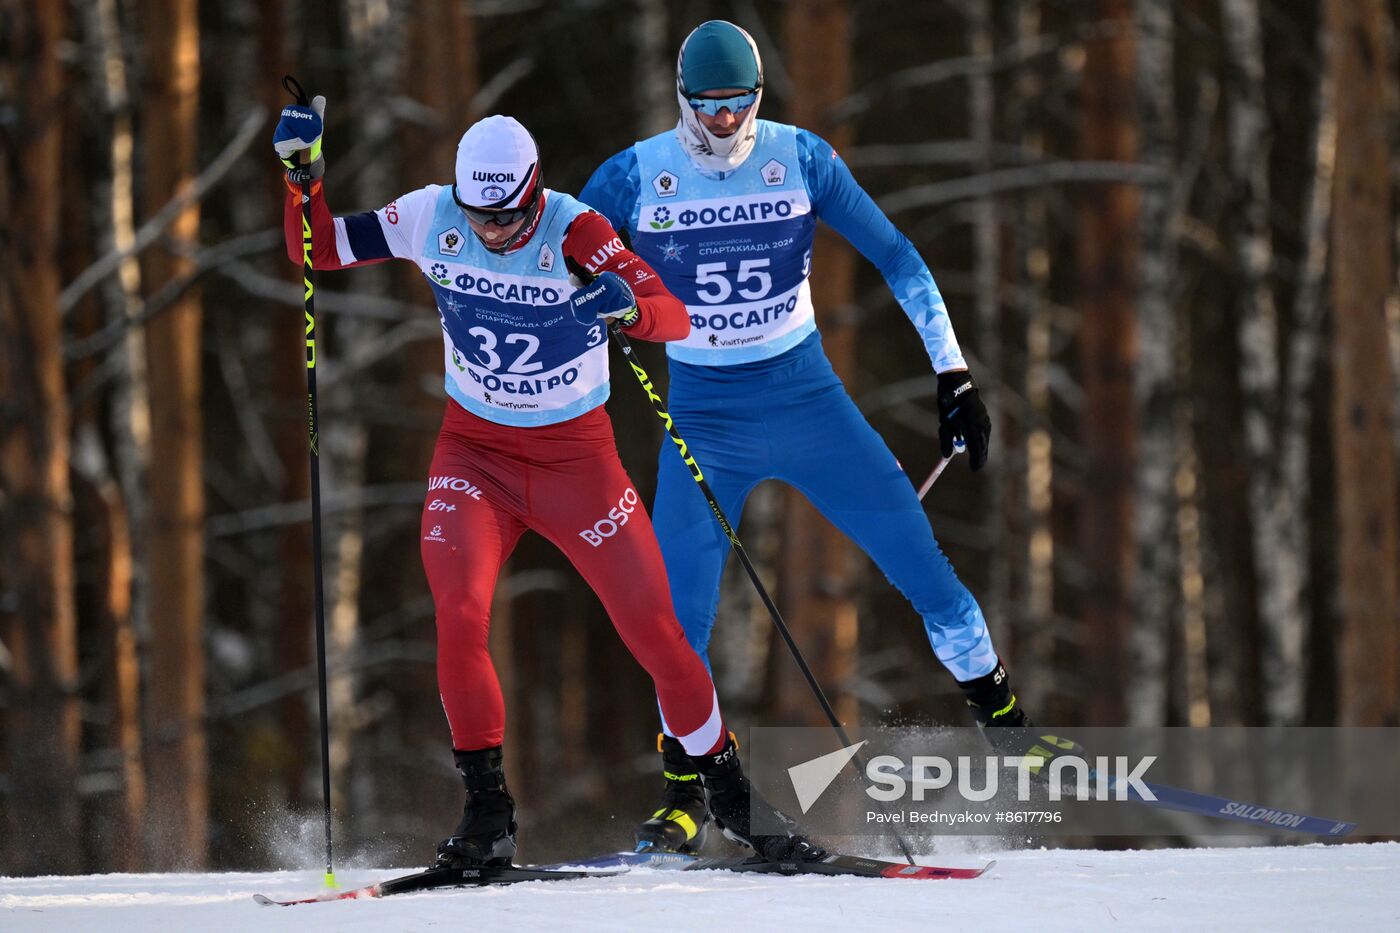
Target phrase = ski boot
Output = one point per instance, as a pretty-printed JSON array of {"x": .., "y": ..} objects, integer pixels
[
  {"x": 993, "y": 703},
  {"x": 486, "y": 835},
  {"x": 1005, "y": 725},
  {"x": 679, "y": 825},
  {"x": 734, "y": 803}
]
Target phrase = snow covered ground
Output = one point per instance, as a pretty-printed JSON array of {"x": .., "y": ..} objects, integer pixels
[{"x": 1333, "y": 887}]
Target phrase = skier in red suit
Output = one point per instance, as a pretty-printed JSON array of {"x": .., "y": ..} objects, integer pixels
[{"x": 526, "y": 443}]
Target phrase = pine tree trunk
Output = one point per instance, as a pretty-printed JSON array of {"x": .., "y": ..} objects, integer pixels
[
  {"x": 1108, "y": 233},
  {"x": 38, "y": 623},
  {"x": 124, "y": 694},
  {"x": 818, "y": 571},
  {"x": 177, "y": 759},
  {"x": 1362, "y": 398}
]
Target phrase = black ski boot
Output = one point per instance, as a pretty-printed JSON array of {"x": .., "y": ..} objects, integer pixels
[
  {"x": 1005, "y": 725},
  {"x": 486, "y": 835},
  {"x": 679, "y": 824},
  {"x": 993, "y": 703},
  {"x": 737, "y": 807}
]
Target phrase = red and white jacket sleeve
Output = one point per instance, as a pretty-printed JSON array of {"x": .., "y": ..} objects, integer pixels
[
  {"x": 356, "y": 239},
  {"x": 591, "y": 242}
]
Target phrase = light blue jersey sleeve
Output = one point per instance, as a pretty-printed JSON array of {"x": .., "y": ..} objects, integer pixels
[
  {"x": 613, "y": 189},
  {"x": 838, "y": 199}
]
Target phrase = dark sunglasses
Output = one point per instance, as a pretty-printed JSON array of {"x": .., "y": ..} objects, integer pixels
[
  {"x": 499, "y": 218},
  {"x": 711, "y": 106}
]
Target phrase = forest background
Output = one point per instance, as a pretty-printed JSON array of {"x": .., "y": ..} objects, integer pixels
[{"x": 1166, "y": 233}]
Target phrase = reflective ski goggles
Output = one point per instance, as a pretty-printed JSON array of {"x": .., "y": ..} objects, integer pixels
[
  {"x": 711, "y": 106},
  {"x": 499, "y": 218}
]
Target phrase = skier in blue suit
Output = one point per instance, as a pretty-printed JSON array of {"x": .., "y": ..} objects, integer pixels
[{"x": 724, "y": 207}]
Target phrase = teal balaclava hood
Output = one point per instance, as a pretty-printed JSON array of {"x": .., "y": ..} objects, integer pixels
[{"x": 717, "y": 55}]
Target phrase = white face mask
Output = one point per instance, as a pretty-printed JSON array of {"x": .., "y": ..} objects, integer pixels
[{"x": 710, "y": 152}]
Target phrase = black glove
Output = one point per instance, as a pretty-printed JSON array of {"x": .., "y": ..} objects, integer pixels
[{"x": 961, "y": 414}]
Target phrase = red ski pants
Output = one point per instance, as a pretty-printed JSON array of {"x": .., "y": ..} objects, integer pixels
[{"x": 488, "y": 484}]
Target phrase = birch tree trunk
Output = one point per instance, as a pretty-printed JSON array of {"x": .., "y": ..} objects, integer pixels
[
  {"x": 987, "y": 305},
  {"x": 121, "y": 816},
  {"x": 1034, "y": 646},
  {"x": 817, "y": 571},
  {"x": 376, "y": 36},
  {"x": 655, "y": 69},
  {"x": 121, "y": 483},
  {"x": 177, "y": 759},
  {"x": 1109, "y": 228},
  {"x": 1293, "y": 496},
  {"x": 131, "y": 404},
  {"x": 38, "y": 620},
  {"x": 741, "y": 647},
  {"x": 443, "y": 39},
  {"x": 1155, "y": 376},
  {"x": 1362, "y": 410},
  {"x": 1276, "y": 566}
]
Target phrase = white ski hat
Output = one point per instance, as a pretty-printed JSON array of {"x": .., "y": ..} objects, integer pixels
[{"x": 498, "y": 165}]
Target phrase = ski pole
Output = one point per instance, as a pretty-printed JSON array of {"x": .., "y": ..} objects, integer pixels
[
  {"x": 309, "y": 281},
  {"x": 660, "y": 405},
  {"x": 938, "y": 468}
]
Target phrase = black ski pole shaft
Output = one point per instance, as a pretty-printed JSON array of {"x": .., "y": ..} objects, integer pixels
[
  {"x": 660, "y": 405},
  {"x": 308, "y": 272}
]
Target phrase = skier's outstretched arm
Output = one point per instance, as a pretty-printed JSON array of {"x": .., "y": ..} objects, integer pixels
[
  {"x": 337, "y": 242},
  {"x": 839, "y": 200}
]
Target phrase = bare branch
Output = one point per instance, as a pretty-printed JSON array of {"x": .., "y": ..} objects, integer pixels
[
  {"x": 1012, "y": 179},
  {"x": 775, "y": 74},
  {"x": 946, "y": 69},
  {"x": 383, "y": 345},
  {"x": 260, "y": 445},
  {"x": 501, "y": 82},
  {"x": 946, "y": 152},
  {"x": 264, "y": 286},
  {"x": 214, "y": 173},
  {"x": 221, "y": 254},
  {"x": 263, "y": 517}
]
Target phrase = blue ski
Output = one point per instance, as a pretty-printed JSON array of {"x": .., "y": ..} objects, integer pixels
[{"x": 1189, "y": 801}]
